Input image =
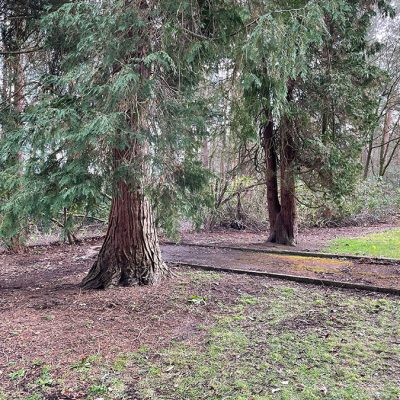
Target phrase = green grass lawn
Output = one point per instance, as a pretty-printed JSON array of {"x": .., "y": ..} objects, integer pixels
[{"x": 382, "y": 244}]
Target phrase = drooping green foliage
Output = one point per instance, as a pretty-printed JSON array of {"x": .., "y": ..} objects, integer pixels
[
  {"x": 79, "y": 114},
  {"x": 20, "y": 39},
  {"x": 321, "y": 49},
  {"x": 210, "y": 67}
]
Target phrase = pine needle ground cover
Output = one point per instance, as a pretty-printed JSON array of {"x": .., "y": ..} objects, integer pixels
[
  {"x": 199, "y": 336},
  {"x": 381, "y": 244}
]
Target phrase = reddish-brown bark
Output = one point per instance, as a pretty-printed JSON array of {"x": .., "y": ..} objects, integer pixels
[
  {"x": 130, "y": 254},
  {"x": 271, "y": 176},
  {"x": 285, "y": 225},
  {"x": 282, "y": 212}
]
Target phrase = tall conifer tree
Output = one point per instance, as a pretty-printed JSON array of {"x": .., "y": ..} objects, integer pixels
[
  {"x": 308, "y": 84},
  {"x": 121, "y": 112}
]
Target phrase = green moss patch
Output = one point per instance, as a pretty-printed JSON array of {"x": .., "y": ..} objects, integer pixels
[{"x": 311, "y": 345}]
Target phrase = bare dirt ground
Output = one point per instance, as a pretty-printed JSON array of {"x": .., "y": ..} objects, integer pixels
[
  {"x": 311, "y": 239},
  {"x": 45, "y": 319}
]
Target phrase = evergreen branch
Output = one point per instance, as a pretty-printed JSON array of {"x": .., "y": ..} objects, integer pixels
[{"x": 252, "y": 22}]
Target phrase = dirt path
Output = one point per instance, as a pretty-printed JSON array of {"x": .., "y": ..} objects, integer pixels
[
  {"x": 312, "y": 239},
  {"x": 44, "y": 266},
  {"x": 320, "y": 268}
]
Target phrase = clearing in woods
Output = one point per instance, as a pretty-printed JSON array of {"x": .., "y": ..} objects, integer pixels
[{"x": 198, "y": 335}]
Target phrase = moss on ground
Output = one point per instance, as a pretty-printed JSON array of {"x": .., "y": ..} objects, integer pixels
[
  {"x": 274, "y": 343},
  {"x": 289, "y": 344},
  {"x": 313, "y": 264},
  {"x": 382, "y": 244}
]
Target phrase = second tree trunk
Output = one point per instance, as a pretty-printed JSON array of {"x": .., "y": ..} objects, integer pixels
[{"x": 282, "y": 212}]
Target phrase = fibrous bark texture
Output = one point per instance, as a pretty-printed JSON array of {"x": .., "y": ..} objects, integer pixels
[
  {"x": 285, "y": 224},
  {"x": 271, "y": 179},
  {"x": 281, "y": 209},
  {"x": 130, "y": 254}
]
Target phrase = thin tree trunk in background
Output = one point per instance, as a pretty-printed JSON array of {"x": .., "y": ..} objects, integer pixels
[
  {"x": 271, "y": 176},
  {"x": 239, "y": 210},
  {"x": 222, "y": 161},
  {"x": 389, "y": 158},
  {"x": 384, "y": 142},
  {"x": 5, "y": 89},
  {"x": 368, "y": 158},
  {"x": 19, "y": 86},
  {"x": 19, "y": 103},
  {"x": 205, "y": 153}
]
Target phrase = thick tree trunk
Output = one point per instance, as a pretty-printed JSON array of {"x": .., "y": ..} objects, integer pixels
[
  {"x": 130, "y": 254},
  {"x": 284, "y": 230},
  {"x": 286, "y": 226},
  {"x": 271, "y": 176}
]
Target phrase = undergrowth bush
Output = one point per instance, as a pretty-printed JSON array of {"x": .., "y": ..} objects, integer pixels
[
  {"x": 372, "y": 201},
  {"x": 246, "y": 210}
]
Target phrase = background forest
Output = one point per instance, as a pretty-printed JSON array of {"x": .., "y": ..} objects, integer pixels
[{"x": 299, "y": 99}]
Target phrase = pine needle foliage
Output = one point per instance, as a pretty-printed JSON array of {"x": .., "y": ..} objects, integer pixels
[
  {"x": 322, "y": 49},
  {"x": 79, "y": 115}
]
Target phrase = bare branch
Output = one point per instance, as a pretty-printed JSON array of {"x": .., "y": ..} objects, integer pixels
[{"x": 24, "y": 51}]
